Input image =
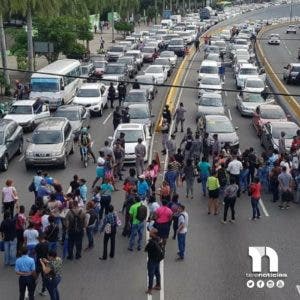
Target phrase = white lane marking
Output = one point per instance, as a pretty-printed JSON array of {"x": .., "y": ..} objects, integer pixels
[
  {"x": 162, "y": 281},
  {"x": 229, "y": 114},
  {"x": 298, "y": 289},
  {"x": 21, "y": 158},
  {"x": 107, "y": 118},
  {"x": 288, "y": 50},
  {"x": 261, "y": 203}
]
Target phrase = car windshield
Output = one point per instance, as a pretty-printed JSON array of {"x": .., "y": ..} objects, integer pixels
[
  {"x": 272, "y": 114},
  {"x": 146, "y": 79},
  {"x": 84, "y": 70},
  {"x": 209, "y": 70},
  {"x": 71, "y": 115},
  {"x": 176, "y": 42},
  {"x": 1, "y": 137},
  {"x": 99, "y": 64},
  {"x": 154, "y": 69},
  {"x": 88, "y": 93},
  {"x": 47, "y": 137},
  {"x": 116, "y": 49},
  {"x": 296, "y": 69},
  {"x": 219, "y": 126},
  {"x": 115, "y": 69},
  {"x": 167, "y": 54},
  {"x": 248, "y": 71},
  {"x": 139, "y": 113},
  {"x": 132, "y": 54},
  {"x": 255, "y": 84},
  {"x": 208, "y": 101},
  {"x": 21, "y": 110},
  {"x": 125, "y": 60},
  {"x": 253, "y": 98},
  {"x": 131, "y": 136},
  {"x": 135, "y": 97},
  {"x": 210, "y": 81},
  {"x": 148, "y": 50},
  {"x": 44, "y": 84},
  {"x": 241, "y": 42},
  {"x": 162, "y": 61},
  {"x": 213, "y": 57},
  {"x": 290, "y": 132}
]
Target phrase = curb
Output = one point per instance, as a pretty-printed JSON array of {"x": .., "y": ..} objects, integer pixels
[{"x": 290, "y": 101}]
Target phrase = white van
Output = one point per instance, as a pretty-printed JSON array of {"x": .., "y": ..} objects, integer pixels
[
  {"x": 52, "y": 84},
  {"x": 208, "y": 67}
]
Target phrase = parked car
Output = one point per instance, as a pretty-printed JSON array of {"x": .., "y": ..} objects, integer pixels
[
  {"x": 221, "y": 125},
  {"x": 267, "y": 113},
  {"x": 254, "y": 85},
  {"x": 165, "y": 62},
  {"x": 50, "y": 145},
  {"x": 11, "y": 141},
  {"x": 28, "y": 113},
  {"x": 210, "y": 83},
  {"x": 138, "y": 55},
  {"x": 247, "y": 71},
  {"x": 140, "y": 114},
  {"x": 149, "y": 54},
  {"x": 271, "y": 131},
  {"x": 93, "y": 96},
  {"x": 158, "y": 72},
  {"x": 207, "y": 68},
  {"x": 78, "y": 116},
  {"x": 132, "y": 133}
]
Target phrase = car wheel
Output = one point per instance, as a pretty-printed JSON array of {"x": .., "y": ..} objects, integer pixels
[
  {"x": 27, "y": 166},
  {"x": 4, "y": 164},
  {"x": 20, "y": 149},
  {"x": 64, "y": 164}
]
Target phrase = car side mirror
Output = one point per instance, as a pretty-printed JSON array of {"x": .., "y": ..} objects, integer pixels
[
  {"x": 285, "y": 68},
  {"x": 236, "y": 128}
]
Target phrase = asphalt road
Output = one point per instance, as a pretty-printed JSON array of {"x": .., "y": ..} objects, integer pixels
[
  {"x": 217, "y": 255},
  {"x": 280, "y": 56}
]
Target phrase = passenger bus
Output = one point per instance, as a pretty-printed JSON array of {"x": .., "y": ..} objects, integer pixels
[{"x": 53, "y": 86}]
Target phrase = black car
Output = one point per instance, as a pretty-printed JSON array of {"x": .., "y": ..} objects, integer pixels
[
  {"x": 11, "y": 141},
  {"x": 178, "y": 46}
]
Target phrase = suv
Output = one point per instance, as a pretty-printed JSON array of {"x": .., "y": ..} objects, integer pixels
[
  {"x": 177, "y": 45},
  {"x": 28, "y": 113},
  {"x": 115, "y": 52},
  {"x": 51, "y": 144},
  {"x": 93, "y": 96},
  {"x": 291, "y": 29},
  {"x": 11, "y": 141},
  {"x": 291, "y": 73}
]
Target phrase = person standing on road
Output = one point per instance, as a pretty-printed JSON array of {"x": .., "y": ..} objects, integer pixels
[
  {"x": 234, "y": 169},
  {"x": 155, "y": 255},
  {"x": 117, "y": 117},
  {"x": 106, "y": 150},
  {"x": 255, "y": 194},
  {"x": 167, "y": 114},
  {"x": 25, "y": 268},
  {"x": 171, "y": 146},
  {"x": 9, "y": 197},
  {"x": 230, "y": 194},
  {"x": 109, "y": 227},
  {"x": 125, "y": 115},
  {"x": 204, "y": 169},
  {"x": 274, "y": 183},
  {"x": 122, "y": 92},
  {"x": 196, "y": 149},
  {"x": 179, "y": 117},
  {"x": 189, "y": 177},
  {"x": 183, "y": 220},
  {"x": 252, "y": 158},
  {"x": 213, "y": 187},
  {"x": 197, "y": 42},
  {"x": 281, "y": 143},
  {"x": 206, "y": 146},
  {"x": 216, "y": 146},
  {"x": 165, "y": 128},
  {"x": 111, "y": 94},
  {"x": 91, "y": 219},
  {"x": 140, "y": 153},
  {"x": 285, "y": 186}
]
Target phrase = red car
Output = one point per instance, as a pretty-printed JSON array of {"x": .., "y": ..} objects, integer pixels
[{"x": 267, "y": 113}]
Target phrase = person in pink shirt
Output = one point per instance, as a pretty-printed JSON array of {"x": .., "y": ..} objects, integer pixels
[{"x": 163, "y": 218}]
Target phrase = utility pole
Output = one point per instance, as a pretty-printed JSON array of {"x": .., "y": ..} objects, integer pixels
[
  {"x": 155, "y": 7},
  {"x": 291, "y": 11},
  {"x": 171, "y": 5},
  {"x": 112, "y": 23}
]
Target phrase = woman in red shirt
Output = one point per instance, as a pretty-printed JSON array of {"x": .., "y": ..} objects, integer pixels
[{"x": 255, "y": 193}]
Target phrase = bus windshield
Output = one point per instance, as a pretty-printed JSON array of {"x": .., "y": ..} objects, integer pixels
[{"x": 45, "y": 85}]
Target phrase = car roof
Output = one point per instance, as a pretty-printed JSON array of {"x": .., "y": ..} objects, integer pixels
[
  {"x": 130, "y": 126},
  {"x": 137, "y": 91},
  {"x": 133, "y": 51},
  {"x": 270, "y": 107},
  {"x": 254, "y": 79},
  {"x": 90, "y": 86},
  {"x": 209, "y": 63},
  {"x": 25, "y": 102},
  {"x": 69, "y": 108},
  {"x": 53, "y": 123},
  {"x": 211, "y": 76},
  {"x": 5, "y": 122},
  {"x": 211, "y": 95},
  {"x": 139, "y": 105},
  {"x": 280, "y": 124},
  {"x": 248, "y": 66},
  {"x": 217, "y": 118},
  {"x": 295, "y": 64}
]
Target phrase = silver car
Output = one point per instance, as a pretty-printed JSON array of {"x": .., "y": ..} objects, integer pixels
[
  {"x": 135, "y": 96},
  {"x": 149, "y": 86},
  {"x": 210, "y": 104},
  {"x": 140, "y": 114},
  {"x": 220, "y": 125},
  {"x": 51, "y": 144}
]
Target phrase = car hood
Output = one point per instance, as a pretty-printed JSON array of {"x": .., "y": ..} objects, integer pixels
[
  {"x": 112, "y": 77},
  {"x": 141, "y": 121},
  {"x": 86, "y": 100},
  {"x": 211, "y": 110},
  {"x": 155, "y": 75},
  {"x": 243, "y": 77},
  {"x": 19, "y": 118},
  {"x": 257, "y": 90},
  {"x": 230, "y": 137},
  {"x": 114, "y": 53},
  {"x": 76, "y": 125},
  {"x": 44, "y": 148},
  {"x": 265, "y": 121},
  {"x": 209, "y": 87},
  {"x": 250, "y": 105}
]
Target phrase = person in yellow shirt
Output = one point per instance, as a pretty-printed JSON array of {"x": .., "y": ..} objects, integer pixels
[{"x": 213, "y": 187}]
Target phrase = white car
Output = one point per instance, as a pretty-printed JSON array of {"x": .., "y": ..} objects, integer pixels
[
  {"x": 291, "y": 29},
  {"x": 210, "y": 83},
  {"x": 158, "y": 72},
  {"x": 210, "y": 104},
  {"x": 254, "y": 85},
  {"x": 133, "y": 132},
  {"x": 214, "y": 57},
  {"x": 28, "y": 113},
  {"x": 246, "y": 71},
  {"x": 274, "y": 40},
  {"x": 170, "y": 55},
  {"x": 93, "y": 96},
  {"x": 207, "y": 68},
  {"x": 138, "y": 55}
]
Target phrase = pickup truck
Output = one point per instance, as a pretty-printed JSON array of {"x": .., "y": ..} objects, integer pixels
[{"x": 28, "y": 113}]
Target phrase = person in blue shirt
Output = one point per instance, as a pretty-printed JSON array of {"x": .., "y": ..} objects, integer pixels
[
  {"x": 100, "y": 171},
  {"x": 37, "y": 181},
  {"x": 25, "y": 268},
  {"x": 142, "y": 187},
  {"x": 106, "y": 190},
  {"x": 171, "y": 178},
  {"x": 43, "y": 190},
  {"x": 83, "y": 189},
  {"x": 204, "y": 169}
]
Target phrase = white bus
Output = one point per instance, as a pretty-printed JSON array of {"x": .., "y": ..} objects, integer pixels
[{"x": 56, "y": 89}]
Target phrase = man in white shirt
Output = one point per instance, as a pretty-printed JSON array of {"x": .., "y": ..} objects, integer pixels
[
  {"x": 183, "y": 220},
  {"x": 234, "y": 169}
]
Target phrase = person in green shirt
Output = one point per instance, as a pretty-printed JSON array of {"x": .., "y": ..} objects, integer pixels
[{"x": 213, "y": 187}]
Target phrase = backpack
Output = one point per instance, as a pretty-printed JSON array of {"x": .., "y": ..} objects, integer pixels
[
  {"x": 160, "y": 252},
  {"x": 141, "y": 213},
  {"x": 93, "y": 217},
  {"x": 77, "y": 224}
]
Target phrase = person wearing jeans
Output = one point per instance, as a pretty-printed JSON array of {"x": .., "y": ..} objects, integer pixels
[
  {"x": 230, "y": 194},
  {"x": 136, "y": 229},
  {"x": 204, "y": 169},
  {"x": 181, "y": 231},
  {"x": 255, "y": 194}
]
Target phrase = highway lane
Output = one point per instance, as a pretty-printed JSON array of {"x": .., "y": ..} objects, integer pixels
[
  {"x": 217, "y": 256},
  {"x": 280, "y": 56}
]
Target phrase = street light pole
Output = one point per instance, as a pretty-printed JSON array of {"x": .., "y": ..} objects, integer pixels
[
  {"x": 291, "y": 11},
  {"x": 155, "y": 7},
  {"x": 112, "y": 23}
]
